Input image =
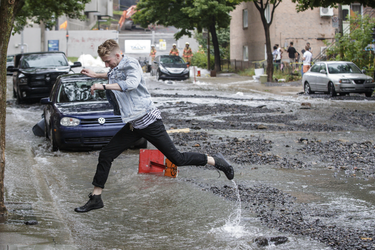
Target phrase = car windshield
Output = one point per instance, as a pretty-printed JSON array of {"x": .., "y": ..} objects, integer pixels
[
  {"x": 43, "y": 60},
  {"x": 343, "y": 68},
  {"x": 79, "y": 91},
  {"x": 172, "y": 60}
]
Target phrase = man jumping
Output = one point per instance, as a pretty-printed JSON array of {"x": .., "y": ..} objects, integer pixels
[{"x": 127, "y": 92}]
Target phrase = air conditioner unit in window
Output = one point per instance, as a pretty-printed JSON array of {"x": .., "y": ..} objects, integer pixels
[{"x": 326, "y": 11}]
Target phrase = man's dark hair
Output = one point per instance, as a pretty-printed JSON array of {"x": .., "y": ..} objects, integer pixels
[{"x": 291, "y": 43}]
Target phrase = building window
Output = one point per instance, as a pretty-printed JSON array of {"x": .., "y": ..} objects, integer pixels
[
  {"x": 267, "y": 13},
  {"x": 357, "y": 8},
  {"x": 244, "y": 18},
  {"x": 245, "y": 53}
]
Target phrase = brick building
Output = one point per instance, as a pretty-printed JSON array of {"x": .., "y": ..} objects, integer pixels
[{"x": 247, "y": 37}]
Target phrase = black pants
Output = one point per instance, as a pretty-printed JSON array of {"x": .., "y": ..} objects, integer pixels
[{"x": 155, "y": 134}]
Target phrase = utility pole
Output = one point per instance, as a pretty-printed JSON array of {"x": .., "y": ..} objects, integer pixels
[{"x": 341, "y": 19}]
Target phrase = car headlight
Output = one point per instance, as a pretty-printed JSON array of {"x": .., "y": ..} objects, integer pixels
[
  {"x": 69, "y": 122},
  {"x": 369, "y": 80},
  {"x": 345, "y": 81},
  {"x": 186, "y": 70},
  {"x": 162, "y": 69},
  {"x": 23, "y": 79}
]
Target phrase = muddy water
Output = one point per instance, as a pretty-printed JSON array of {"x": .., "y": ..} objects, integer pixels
[{"x": 153, "y": 212}]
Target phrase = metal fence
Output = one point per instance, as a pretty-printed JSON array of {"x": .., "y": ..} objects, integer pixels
[{"x": 237, "y": 65}]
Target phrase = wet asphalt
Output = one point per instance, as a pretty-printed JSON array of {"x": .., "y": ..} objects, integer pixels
[{"x": 304, "y": 165}]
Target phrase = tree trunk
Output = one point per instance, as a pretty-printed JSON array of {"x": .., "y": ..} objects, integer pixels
[
  {"x": 8, "y": 10},
  {"x": 269, "y": 52},
  {"x": 215, "y": 42}
]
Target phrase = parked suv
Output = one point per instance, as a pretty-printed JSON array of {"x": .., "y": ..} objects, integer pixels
[{"x": 35, "y": 73}]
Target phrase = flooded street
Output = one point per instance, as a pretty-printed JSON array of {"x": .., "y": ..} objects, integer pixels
[{"x": 304, "y": 167}]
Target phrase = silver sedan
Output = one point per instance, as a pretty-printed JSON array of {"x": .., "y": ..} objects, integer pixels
[{"x": 337, "y": 77}]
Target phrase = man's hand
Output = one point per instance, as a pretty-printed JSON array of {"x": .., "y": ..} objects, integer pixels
[
  {"x": 95, "y": 87},
  {"x": 88, "y": 72}
]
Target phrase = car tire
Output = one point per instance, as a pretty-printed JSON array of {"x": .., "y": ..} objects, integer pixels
[
  {"x": 157, "y": 77},
  {"x": 307, "y": 89},
  {"x": 14, "y": 94},
  {"x": 331, "y": 90},
  {"x": 19, "y": 99},
  {"x": 54, "y": 146},
  {"x": 368, "y": 94}
]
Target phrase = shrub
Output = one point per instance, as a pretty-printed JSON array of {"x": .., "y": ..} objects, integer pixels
[{"x": 200, "y": 60}]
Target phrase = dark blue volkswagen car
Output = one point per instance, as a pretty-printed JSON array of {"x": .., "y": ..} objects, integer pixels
[{"x": 76, "y": 120}]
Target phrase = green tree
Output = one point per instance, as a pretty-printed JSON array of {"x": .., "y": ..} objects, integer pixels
[
  {"x": 355, "y": 44},
  {"x": 22, "y": 11},
  {"x": 188, "y": 15},
  {"x": 310, "y": 4},
  {"x": 223, "y": 37},
  {"x": 261, "y": 6}
]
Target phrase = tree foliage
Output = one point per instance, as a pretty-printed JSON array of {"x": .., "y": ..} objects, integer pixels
[
  {"x": 355, "y": 44},
  {"x": 310, "y": 4},
  {"x": 46, "y": 11},
  {"x": 223, "y": 37},
  {"x": 187, "y": 15}
]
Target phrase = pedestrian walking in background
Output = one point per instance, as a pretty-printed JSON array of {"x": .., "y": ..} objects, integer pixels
[
  {"x": 127, "y": 93},
  {"x": 174, "y": 51}
]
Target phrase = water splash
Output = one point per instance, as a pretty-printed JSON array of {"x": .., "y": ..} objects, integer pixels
[{"x": 232, "y": 224}]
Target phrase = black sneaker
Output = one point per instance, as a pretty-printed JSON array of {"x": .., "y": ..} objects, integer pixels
[
  {"x": 223, "y": 165},
  {"x": 95, "y": 202}
]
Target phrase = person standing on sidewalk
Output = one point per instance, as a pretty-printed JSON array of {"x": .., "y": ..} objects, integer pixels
[
  {"x": 307, "y": 56},
  {"x": 127, "y": 92},
  {"x": 292, "y": 55},
  {"x": 152, "y": 53},
  {"x": 174, "y": 51},
  {"x": 187, "y": 54}
]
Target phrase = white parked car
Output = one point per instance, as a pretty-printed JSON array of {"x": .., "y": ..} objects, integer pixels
[{"x": 337, "y": 78}]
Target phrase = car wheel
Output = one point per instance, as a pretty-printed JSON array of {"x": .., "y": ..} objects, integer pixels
[
  {"x": 54, "y": 146},
  {"x": 331, "y": 90},
  {"x": 14, "y": 94},
  {"x": 157, "y": 75},
  {"x": 19, "y": 100},
  {"x": 368, "y": 94},
  {"x": 308, "y": 89}
]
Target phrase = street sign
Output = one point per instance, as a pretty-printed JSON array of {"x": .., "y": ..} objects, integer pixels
[
  {"x": 53, "y": 45},
  {"x": 162, "y": 45},
  {"x": 138, "y": 46}
]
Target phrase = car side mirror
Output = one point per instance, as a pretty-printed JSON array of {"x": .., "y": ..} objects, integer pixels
[
  {"x": 363, "y": 71},
  {"x": 12, "y": 69},
  {"x": 323, "y": 71},
  {"x": 76, "y": 64},
  {"x": 45, "y": 101},
  {"x": 155, "y": 62}
]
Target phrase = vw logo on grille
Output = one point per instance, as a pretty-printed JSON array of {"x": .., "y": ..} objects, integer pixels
[{"x": 101, "y": 120}]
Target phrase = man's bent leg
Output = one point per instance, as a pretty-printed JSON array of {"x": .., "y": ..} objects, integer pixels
[{"x": 158, "y": 136}]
